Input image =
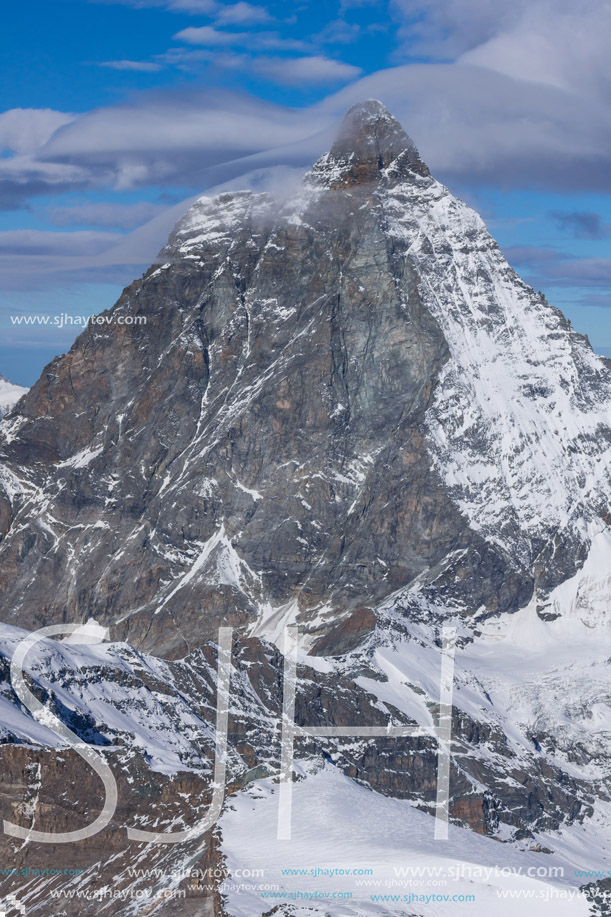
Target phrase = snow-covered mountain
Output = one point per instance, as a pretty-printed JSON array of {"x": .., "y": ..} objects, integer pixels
[
  {"x": 9, "y": 395},
  {"x": 346, "y": 412}
]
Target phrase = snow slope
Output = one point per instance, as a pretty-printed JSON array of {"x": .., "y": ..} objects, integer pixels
[
  {"x": 521, "y": 421},
  {"x": 9, "y": 395},
  {"x": 338, "y": 825},
  {"x": 120, "y": 693}
]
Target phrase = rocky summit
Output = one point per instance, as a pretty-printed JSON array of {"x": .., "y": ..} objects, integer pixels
[{"x": 341, "y": 410}]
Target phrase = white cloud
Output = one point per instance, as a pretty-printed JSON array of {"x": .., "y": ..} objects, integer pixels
[
  {"x": 223, "y": 13},
  {"x": 137, "y": 65},
  {"x": 166, "y": 124},
  {"x": 31, "y": 260},
  {"x": 209, "y": 36},
  {"x": 187, "y": 59},
  {"x": 306, "y": 70},
  {"x": 338, "y": 31},
  {"x": 555, "y": 44},
  {"x": 241, "y": 13},
  {"x": 448, "y": 28},
  {"x": 25, "y": 177},
  {"x": 551, "y": 42},
  {"x": 494, "y": 128},
  {"x": 199, "y": 7},
  {"x": 520, "y": 97},
  {"x": 25, "y": 130},
  {"x": 526, "y": 102}
]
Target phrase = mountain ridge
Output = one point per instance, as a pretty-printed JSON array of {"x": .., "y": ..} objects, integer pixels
[
  {"x": 219, "y": 248},
  {"x": 345, "y": 411}
]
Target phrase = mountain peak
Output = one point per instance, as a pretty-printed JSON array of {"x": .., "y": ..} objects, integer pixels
[
  {"x": 369, "y": 141},
  {"x": 369, "y": 128}
]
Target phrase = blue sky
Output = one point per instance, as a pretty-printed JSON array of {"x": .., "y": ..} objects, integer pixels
[{"x": 117, "y": 113}]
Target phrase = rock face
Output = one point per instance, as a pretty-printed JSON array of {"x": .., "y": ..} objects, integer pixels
[
  {"x": 312, "y": 417},
  {"x": 345, "y": 411}
]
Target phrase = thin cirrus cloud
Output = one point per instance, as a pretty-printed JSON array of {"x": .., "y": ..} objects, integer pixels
[
  {"x": 220, "y": 53},
  {"x": 488, "y": 127},
  {"x": 232, "y": 12},
  {"x": 165, "y": 139},
  {"x": 136, "y": 65},
  {"x": 44, "y": 243},
  {"x": 23, "y": 177},
  {"x": 208, "y": 36},
  {"x": 568, "y": 49},
  {"x": 499, "y": 129},
  {"x": 211, "y": 37},
  {"x": 581, "y": 224},
  {"x": 549, "y": 42},
  {"x": 25, "y": 130},
  {"x": 157, "y": 126},
  {"x": 117, "y": 216},
  {"x": 590, "y": 272},
  {"x": 306, "y": 70},
  {"x": 513, "y": 96},
  {"x": 547, "y": 267},
  {"x": 477, "y": 114},
  {"x": 198, "y": 7},
  {"x": 42, "y": 260},
  {"x": 598, "y": 301},
  {"x": 243, "y": 13},
  {"x": 446, "y": 29}
]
